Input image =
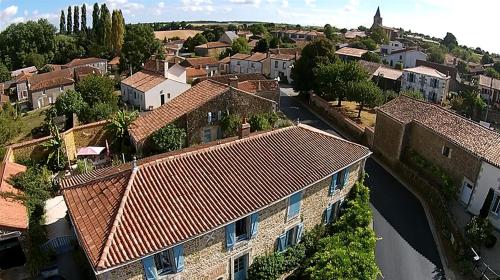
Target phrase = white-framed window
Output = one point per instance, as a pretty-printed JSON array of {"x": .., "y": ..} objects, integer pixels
[
  {"x": 24, "y": 94},
  {"x": 495, "y": 209}
]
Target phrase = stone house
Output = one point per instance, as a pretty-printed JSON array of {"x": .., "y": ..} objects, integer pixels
[
  {"x": 466, "y": 151},
  {"x": 210, "y": 64},
  {"x": 199, "y": 110},
  {"x": 250, "y": 63},
  {"x": 213, "y": 49},
  {"x": 228, "y": 37},
  {"x": 445, "y": 69},
  {"x": 95, "y": 62},
  {"x": 158, "y": 83},
  {"x": 281, "y": 66},
  {"x": 298, "y": 35},
  {"x": 206, "y": 212},
  {"x": 433, "y": 84},
  {"x": 490, "y": 90}
]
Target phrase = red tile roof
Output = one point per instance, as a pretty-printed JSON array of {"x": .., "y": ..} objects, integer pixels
[
  {"x": 213, "y": 45},
  {"x": 347, "y": 51},
  {"x": 115, "y": 61},
  {"x": 144, "y": 80},
  {"x": 84, "y": 61},
  {"x": 463, "y": 132},
  {"x": 199, "y": 61},
  {"x": 117, "y": 221},
  {"x": 195, "y": 72},
  {"x": 186, "y": 102},
  {"x": 13, "y": 214},
  {"x": 52, "y": 79},
  {"x": 259, "y": 86},
  {"x": 224, "y": 79}
]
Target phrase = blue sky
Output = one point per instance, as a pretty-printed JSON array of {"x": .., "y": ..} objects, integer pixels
[{"x": 473, "y": 25}]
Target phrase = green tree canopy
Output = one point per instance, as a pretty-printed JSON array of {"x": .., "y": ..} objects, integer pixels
[
  {"x": 257, "y": 29},
  {"x": 76, "y": 19},
  {"x": 371, "y": 56},
  {"x": 450, "y": 41},
  {"x": 240, "y": 45},
  {"x": 366, "y": 94},
  {"x": 232, "y": 27},
  {"x": 34, "y": 59},
  {"x": 138, "y": 45},
  {"x": 169, "y": 138},
  {"x": 274, "y": 42},
  {"x": 491, "y": 72},
  {"x": 192, "y": 42},
  {"x": 117, "y": 31},
  {"x": 378, "y": 35},
  {"x": 62, "y": 23},
  {"x": 69, "y": 103},
  {"x": 329, "y": 32},
  {"x": 319, "y": 51},
  {"x": 105, "y": 22},
  {"x": 96, "y": 89},
  {"x": 84, "y": 18},
  {"x": 96, "y": 24},
  {"x": 66, "y": 49},
  {"x": 486, "y": 59},
  {"x": 4, "y": 73},
  {"x": 118, "y": 127},
  {"x": 69, "y": 21},
  {"x": 436, "y": 54},
  {"x": 262, "y": 45}
]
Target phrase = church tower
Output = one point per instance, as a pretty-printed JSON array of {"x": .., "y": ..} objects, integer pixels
[{"x": 377, "y": 19}]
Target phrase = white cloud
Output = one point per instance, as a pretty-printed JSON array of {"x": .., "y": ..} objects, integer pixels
[
  {"x": 310, "y": 2},
  {"x": 9, "y": 11},
  {"x": 351, "y": 6},
  {"x": 284, "y": 3},
  {"x": 161, "y": 5},
  {"x": 197, "y": 6},
  {"x": 17, "y": 20}
]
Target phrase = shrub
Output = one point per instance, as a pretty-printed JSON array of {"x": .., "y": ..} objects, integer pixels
[
  {"x": 268, "y": 267},
  {"x": 259, "y": 122},
  {"x": 84, "y": 166},
  {"x": 272, "y": 118},
  {"x": 230, "y": 124},
  {"x": 293, "y": 257},
  {"x": 169, "y": 138},
  {"x": 478, "y": 230},
  {"x": 280, "y": 123}
]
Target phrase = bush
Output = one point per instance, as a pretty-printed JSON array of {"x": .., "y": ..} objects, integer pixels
[
  {"x": 268, "y": 267},
  {"x": 280, "y": 123},
  {"x": 259, "y": 122},
  {"x": 230, "y": 124},
  {"x": 84, "y": 166},
  {"x": 293, "y": 257},
  {"x": 169, "y": 138},
  {"x": 478, "y": 230}
]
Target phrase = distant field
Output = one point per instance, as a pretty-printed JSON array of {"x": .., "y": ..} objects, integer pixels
[{"x": 183, "y": 34}]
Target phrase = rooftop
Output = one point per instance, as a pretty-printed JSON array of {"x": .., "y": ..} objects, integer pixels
[
  {"x": 213, "y": 45},
  {"x": 463, "y": 132},
  {"x": 13, "y": 213},
  {"x": 488, "y": 82},
  {"x": 388, "y": 73},
  {"x": 351, "y": 52},
  {"x": 199, "y": 61},
  {"x": 424, "y": 70},
  {"x": 84, "y": 61},
  {"x": 51, "y": 79},
  {"x": 110, "y": 212},
  {"x": 224, "y": 79},
  {"x": 144, "y": 80},
  {"x": 259, "y": 86},
  {"x": 30, "y": 69}
]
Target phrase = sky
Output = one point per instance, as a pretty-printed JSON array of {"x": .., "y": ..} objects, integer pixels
[{"x": 474, "y": 23}]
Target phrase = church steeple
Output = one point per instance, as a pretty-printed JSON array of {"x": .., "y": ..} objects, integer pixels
[
  {"x": 377, "y": 14},
  {"x": 377, "y": 19}
]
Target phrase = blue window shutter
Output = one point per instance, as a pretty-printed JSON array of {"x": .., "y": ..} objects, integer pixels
[
  {"x": 300, "y": 230},
  {"x": 281, "y": 242},
  {"x": 149, "y": 268},
  {"x": 346, "y": 176},
  {"x": 294, "y": 205},
  {"x": 230, "y": 236},
  {"x": 254, "y": 219},
  {"x": 179, "y": 257},
  {"x": 333, "y": 184},
  {"x": 328, "y": 216}
]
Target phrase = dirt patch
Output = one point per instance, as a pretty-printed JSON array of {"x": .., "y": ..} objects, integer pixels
[{"x": 350, "y": 109}]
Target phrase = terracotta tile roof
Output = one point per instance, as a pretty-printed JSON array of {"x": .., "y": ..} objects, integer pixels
[
  {"x": 199, "y": 61},
  {"x": 84, "y": 71},
  {"x": 224, "y": 79},
  {"x": 26, "y": 70},
  {"x": 117, "y": 221},
  {"x": 184, "y": 103},
  {"x": 114, "y": 61},
  {"x": 283, "y": 56},
  {"x": 370, "y": 67},
  {"x": 83, "y": 61},
  {"x": 213, "y": 45},
  {"x": 192, "y": 72},
  {"x": 13, "y": 213},
  {"x": 388, "y": 73},
  {"x": 290, "y": 51},
  {"x": 144, "y": 80},
  {"x": 351, "y": 52},
  {"x": 225, "y": 60},
  {"x": 465, "y": 133},
  {"x": 257, "y": 57},
  {"x": 485, "y": 81},
  {"x": 240, "y": 56},
  {"x": 259, "y": 86},
  {"x": 424, "y": 70},
  {"x": 51, "y": 79}
]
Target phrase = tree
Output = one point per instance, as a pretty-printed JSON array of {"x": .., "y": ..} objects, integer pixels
[
  {"x": 105, "y": 22},
  {"x": 257, "y": 29},
  {"x": 496, "y": 66},
  {"x": 491, "y": 72},
  {"x": 118, "y": 127},
  {"x": 232, "y": 27},
  {"x": 261, "y": 46},
  {"x": 240, "y": 45},
  {"x": 192, "y": 42},
  {"x": 96, "y": 27},
  {"x": 4, "y": 73},
  {"x": 319, "y": 51},
  {"x": 487, "y": 59},
  {"x": 413, "y": 94},
  {"x": 96, "y": 89},
  {"x": 462, "y": 67},
  {"x": 450, "y": 41},
  {"x": 334, "y": 80},
  {"x": 275, "y": 42},
  {"x": 117, "y": 31},
  {"x": 69, "y": 103},
  {"x": 369, "y": 44},
  {"x": 378, "y": 35},
  {"x": 169, "y": 138},
  {"x": 371, "y": 56},
  {"x": 56, "y": 159},
  {"x": 9, "y": 124},
  {"x": 365, "y": 93},
  {"x": 138, "y": 46},
  {"x": 69, "y": 21},
  {"x": 436, "y": 55},
  {"x": 83, "y": 25},
  {"x": 329, "y": 32},
  {"x": 477, "y": 230},
  {"x": 62, "y": 23},
  {"x": 34, "y": 59},
  {"x": 76, "y": 19},
  {"x": 230, "y": 124},
  {"x": 66, "y": 49}
]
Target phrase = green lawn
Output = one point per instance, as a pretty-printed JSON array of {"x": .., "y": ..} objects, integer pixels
[{"x": 29, "y": 121}]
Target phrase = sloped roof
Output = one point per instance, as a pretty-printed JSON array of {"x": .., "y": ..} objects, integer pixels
[
  {"x": 213, "y": 45},
  {"x": 231, "y": 35},
  {"x": 388, "y": 73},
  {"x": 486, "y": 82},
  {"x": 198, "y": 191},
  {"x": 144, "y": 80},
  {"x": 464, "y": 133},
  {"x": 347, "y": 51},
  {"x": 424, "y": 70},
  {"x": 224, "y": 79},
  {"x": 192, "y": 72},
  {"x": 114, "y": 61},
  {"x": 51, "y": 79},
  {"x": 13, "y": 213},
  {"x": 83, "y": 61},
  {"x": 30, "y": 69},
  {"x": 199, "y": 61},
  {"x": 259, "y": 86},
  {"x": 282, "y": 56}
]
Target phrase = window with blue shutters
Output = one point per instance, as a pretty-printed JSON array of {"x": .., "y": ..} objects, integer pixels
[
  {"x": 328, "y": 214},
  {"x": 242, "y": 229},
  {"x": 178, "y": 252},
  {"x": 230, "y": 236},
  {"x": 290, "y": 237},
  {"x": 254, "y": 224},
  {"x": 166, "y": 262},
  {"x": 294, "y": 205},
  {"x": 209, "y": 117},
  {"x": 148, "y": 264},
  {"x": 339, "y": 181},
  {"x": 281, "y": 242},
  {"x": 333, "y": 184}
]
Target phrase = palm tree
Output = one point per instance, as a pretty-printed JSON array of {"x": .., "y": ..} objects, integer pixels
[
  {"x": 118, "y": 127},
  {"x": 56, "y": 160}
]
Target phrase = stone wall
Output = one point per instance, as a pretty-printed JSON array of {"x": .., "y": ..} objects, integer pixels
[
  {"x": 132, "y": 271},
  {"x": 206, "y": 257},
  {"x": 429, "y": 145},
  {"x": 388, "y": 137}
]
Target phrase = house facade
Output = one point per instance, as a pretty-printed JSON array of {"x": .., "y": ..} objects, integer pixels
[
  {"x": 249, "y": 63},
  {"x": 466, "y": 151},
  {"x": 213, "y": 49},
  {"x": 392, "y": 46},
  {"x": 433, "y": 84},
  {"x": 95, "y": 62},
  {"x": 281, "y": 66},
  {"x": 350, "y": 54},
  {"x": 210, "y": 64},
  {"x": 489, "y": 88},
  {"x": 275, "y": 204},
  {"x": 158, "y": 83},
  {"x": 406, "y": 57},
  {"x": 228, "y": 37}
]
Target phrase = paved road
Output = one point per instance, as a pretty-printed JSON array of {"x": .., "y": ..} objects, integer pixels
[{"x": 406, "y": 249}]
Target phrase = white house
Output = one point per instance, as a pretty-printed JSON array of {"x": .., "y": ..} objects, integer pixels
[
  {"x": 245, "y": 63},
  {"x": 391, "y": 47},
  {"x": 228, "y": 37},
  {"x": 157, "y": 84},
  {"x": 406, "y": 57},
  {"x": 486, "y": 193},
  {"x": 281, "y": 66},
  {"x": 430, "y": 82}
]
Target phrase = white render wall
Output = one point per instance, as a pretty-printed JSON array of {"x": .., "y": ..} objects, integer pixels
[
  {"x": 286, "y": 68},
  {"x": 245, "y": 66},
  {"x": 489, "y": 178},
  {"x": 152, "y": 97},
  {"x": 422, "y": 84},
  {"x": 408, "y": 59}
]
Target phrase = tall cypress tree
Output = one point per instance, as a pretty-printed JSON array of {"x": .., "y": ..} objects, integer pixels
[
  {"x": 76, "y": 19},
  {"x": 62, "y": 23},
  {"x": 117, "y": 31},
  {"x": 69, "y": 22},
  {"x": 106, "y": 26},
  {"x": 96, "y": 30},
  {"x": 83, "y": 26}
]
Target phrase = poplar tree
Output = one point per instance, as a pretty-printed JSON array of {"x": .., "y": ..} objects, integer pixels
[
  {"x": 117, "y": 31},
  {"x": 69, "y": 22},
  {"x": 83, "y": 26},
  {"x": 96, "y": 30},
  {"x": 76, "y": 19},
  {"x": 62, "y": 23},
  {"x": 105, "y": 23}
]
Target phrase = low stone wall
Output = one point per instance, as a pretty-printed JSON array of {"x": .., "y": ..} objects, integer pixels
[
  {"x": 336, "y": 117},
  {"x": 368, "y": 136}
]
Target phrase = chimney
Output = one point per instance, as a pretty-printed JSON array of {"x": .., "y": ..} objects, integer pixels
[
  {"x": 233, "y": 82},
  {"x": 165, "y": 69},
  {"x": 244, "y": 130}
]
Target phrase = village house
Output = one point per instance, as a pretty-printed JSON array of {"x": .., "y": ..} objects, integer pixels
[
  {"x": 228, "y": 37},
  {"x": 25, "y": 70},
  {"x": 199, "y": 111},
  {"x": 13, "y": 218},
  {"x": 490, "y": 90},
  {"x": 354, "y": 34},
  {"x": 388, "y": 48},
  {"x": 250, "y": 63},
  {"x": 350, "y": 54},
  {"x": 216, "y": 206},
  {"x": 281, "y": 66},
  {"x": 384, "y": 77},
  {"x": 299, "y": 35},
  {"x": 433, "y": 84},
  {"x": 158, "y": 83},
  {"x": 455, "y": 80},
  {"x": 213, "y": 49},
  {"x": 467, "y": 152},
  {"x": 95, "y": 62},
  {"x": 173, "y": 47},
  {"x": 209, "y": 64},
  {"x": 406, "y": 57}
]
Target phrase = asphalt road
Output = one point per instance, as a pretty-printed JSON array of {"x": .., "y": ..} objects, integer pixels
[{"x": 406, "y": 249}]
